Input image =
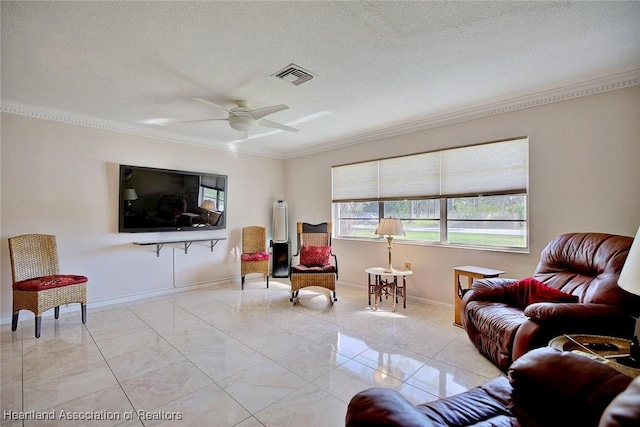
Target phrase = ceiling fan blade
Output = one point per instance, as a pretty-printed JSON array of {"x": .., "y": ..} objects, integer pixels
[
  {"x": 270, "y": 124},
  {"x": 261, "y": 112},
  {"x": 202, "y": 120},
  {"x": 211, "y": 104}
]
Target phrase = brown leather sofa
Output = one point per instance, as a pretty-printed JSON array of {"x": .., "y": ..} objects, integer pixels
[
  {"x": 583, "y": 266},
  {"x": 544, "y": 388}
]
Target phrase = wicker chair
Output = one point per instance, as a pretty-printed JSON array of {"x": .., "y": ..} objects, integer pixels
[
  {"x": 317, "y": 265},
  {"x": 254, "y": 258},
  {"x": 37, "y": 283}
]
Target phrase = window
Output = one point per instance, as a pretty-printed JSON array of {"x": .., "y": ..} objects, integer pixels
[
  {"x": 213, "y": 189},
  {"x": 490, "y": 221},
  {"x": 420, "y": 218},
  {"x": 472, "y": 196},
  {"x": 216, "y": 196}
]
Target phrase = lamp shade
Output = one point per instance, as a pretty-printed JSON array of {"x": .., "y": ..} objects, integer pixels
[
  {"x": 390, "y": 227},
  {"x": 130, "y": 194},
  {"x": 629, "y": 279},
  {"x": 208, "y": 205}
]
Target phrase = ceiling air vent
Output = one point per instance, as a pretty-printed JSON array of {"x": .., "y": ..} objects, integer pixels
[{"x": 294, "y": 74}]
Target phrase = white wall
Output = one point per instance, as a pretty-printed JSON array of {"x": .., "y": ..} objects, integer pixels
[
  {"x": 584, "y": 176},
  {"x": 63, "y": 179}
]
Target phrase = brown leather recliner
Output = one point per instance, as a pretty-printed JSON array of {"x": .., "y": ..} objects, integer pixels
[
  {"x": 585, "y": 265},
  {"x": 545, "y": 388}
]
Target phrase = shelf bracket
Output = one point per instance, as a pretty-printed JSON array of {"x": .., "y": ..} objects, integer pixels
[{"x": 187, "y": 243}]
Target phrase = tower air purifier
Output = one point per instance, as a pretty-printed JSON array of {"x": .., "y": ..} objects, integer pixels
[
  {"x": 280, "y": 222},
  {"x": 280, "y": 243}
]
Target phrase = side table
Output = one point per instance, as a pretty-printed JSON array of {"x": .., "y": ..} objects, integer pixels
[
  {"x": 608, "y": 350},
  {"x": 389, "y": 286},
  {"x": 471, "y": 273}
]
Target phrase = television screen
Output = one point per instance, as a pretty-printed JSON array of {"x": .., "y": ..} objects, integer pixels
[{"x": 170, "y": 200}]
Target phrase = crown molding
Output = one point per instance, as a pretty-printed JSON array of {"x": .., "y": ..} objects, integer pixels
[
  {"x": 591, "y": 87},
  {"x": 90, "y": 122}
]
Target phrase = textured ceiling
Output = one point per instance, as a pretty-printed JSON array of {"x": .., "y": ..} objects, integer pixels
[{"x": 136, "y": 66}]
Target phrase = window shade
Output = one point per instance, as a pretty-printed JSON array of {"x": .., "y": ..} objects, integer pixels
[
  {"x": 485, "y": 169},
  {"x": 410, "y": 176},
  {"x": 355, "y": 182},
  {"x": 493, "y": 168},
  {"x": 212, "y": 182}
]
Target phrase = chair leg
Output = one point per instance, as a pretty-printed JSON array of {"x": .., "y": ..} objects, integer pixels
[
  {"x": 14, "y": 321},
  {"x": 56, "y": 312},
  {"x": 38, "y": 326},
  {"x": 334, "y": 296},
  {"x": 267, "y": 280},
  {"x": 83, "y": 310},
  {"x": 242, "y": 283}
]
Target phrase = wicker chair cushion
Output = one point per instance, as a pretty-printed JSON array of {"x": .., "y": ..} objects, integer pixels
[
  {"x": 255, "y": 256},
  {"x": 314, "y": 256},
  {"x": 49, "y": 282},
  {"x": 314, "y": 269}
]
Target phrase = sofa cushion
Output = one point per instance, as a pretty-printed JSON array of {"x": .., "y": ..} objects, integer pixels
[
  {"x": 314, "y": 256},
  {"x": 530, "y": 290}
]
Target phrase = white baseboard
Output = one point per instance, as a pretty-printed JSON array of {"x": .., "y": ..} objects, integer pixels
[
  {"x": 419, "y": 300},
  {"x": 70, "y": 308}
]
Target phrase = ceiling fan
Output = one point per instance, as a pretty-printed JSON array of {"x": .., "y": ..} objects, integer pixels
[{"x": 243, "y": 118}]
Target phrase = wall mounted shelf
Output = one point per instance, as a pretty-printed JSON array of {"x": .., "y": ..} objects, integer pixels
[{"x": 187, "y": 242}]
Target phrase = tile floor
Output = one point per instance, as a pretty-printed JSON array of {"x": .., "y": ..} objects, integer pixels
[{"x": 219, "y": 356}]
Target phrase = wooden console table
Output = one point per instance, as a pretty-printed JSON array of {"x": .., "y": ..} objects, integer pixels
[
  {"x": 471, "y": 273},
  {"x": 187, "y": 242}
]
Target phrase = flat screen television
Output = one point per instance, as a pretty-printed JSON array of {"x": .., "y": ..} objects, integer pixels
[{"x": 154, "y": 200}]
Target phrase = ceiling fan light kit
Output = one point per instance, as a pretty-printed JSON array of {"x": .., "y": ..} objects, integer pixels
[
  {"x": 243, "y": 124},
  {"x": 243, "y": 119}
]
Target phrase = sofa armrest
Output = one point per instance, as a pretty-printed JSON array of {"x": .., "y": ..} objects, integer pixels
[
  {"x": 487, "y": 404},
  {"x": 552, "y": 387},
  {"x": 383, "y": 407},
  {"x": 488, "y": 289},
  {"x": 573, "y": 311}
]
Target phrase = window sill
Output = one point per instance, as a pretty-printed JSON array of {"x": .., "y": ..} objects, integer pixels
[{"x": 440, "y": 245}]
